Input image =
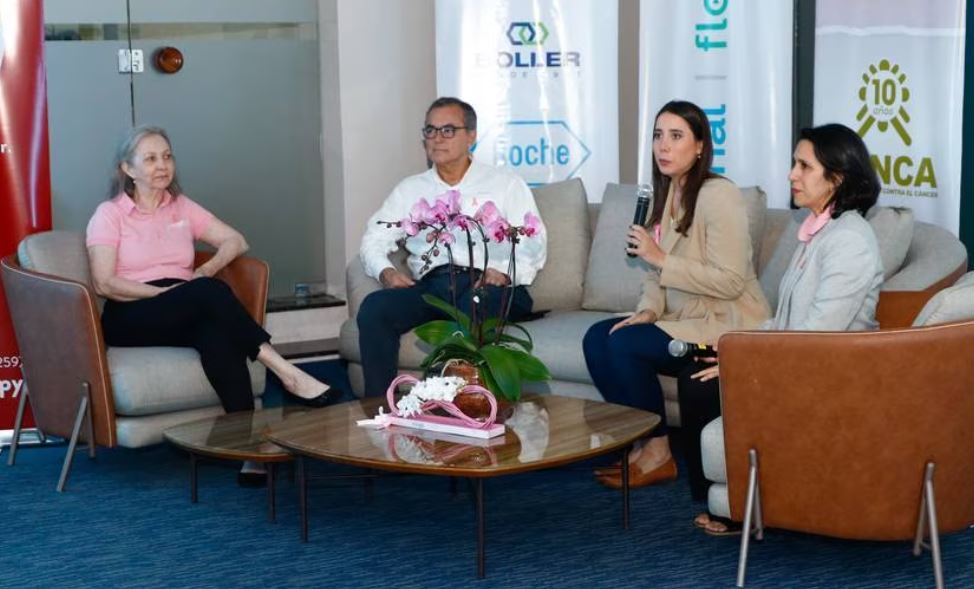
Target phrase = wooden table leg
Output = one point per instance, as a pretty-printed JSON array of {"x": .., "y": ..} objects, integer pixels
[
  {"x": 625, "y": 489},
  {"x": 272, "y": 491},
  {"x": 303, "y": 497},
  {"x": 481, "y": 531}
]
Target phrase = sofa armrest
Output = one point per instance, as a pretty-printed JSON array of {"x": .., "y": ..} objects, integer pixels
[
  {"x": 935, "y": 260},
  {"x": 58, "y": 330},
  {"x": 898, "y": 308},
  {"x": 248, "y": 278},
  {"x": 358, "y": 285}
]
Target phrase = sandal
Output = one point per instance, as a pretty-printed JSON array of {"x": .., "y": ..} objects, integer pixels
[
  {"x": 731, "y": 528},
  {"x": 698, "y": 522}
]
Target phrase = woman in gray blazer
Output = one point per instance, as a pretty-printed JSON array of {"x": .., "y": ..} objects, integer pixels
[{"x": 831, "y": 284}]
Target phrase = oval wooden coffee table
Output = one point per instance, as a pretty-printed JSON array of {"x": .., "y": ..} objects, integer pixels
[
  {"x": 545, "y": 431},
  {"x": 234, "y": 436}
]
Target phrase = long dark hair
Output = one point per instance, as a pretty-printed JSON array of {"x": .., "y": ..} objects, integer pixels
[
  {"x": 696, "y": 119},
  {"x": 845, "y": 158}
]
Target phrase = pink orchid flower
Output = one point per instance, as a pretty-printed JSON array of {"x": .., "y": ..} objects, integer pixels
[
  {"x": 411, "y": 228},
  {"x": 453, "y": 202},
  {"x": 421, "y": 211},
  {"x": 498, "y": 230},
  {"x": 461, "y": 222},
  {"x": 487, "y": 213},
  {"x": 532, "y": 224},
  {"x": 440, "y": 212},
  {"x": 446, "y": 238}
]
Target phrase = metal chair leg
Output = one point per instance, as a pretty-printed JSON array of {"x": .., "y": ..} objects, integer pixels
[
  {"x": 749, "y": 512},
  {"x": 21, "y": 405},
  {"x": 921, "y": 521},
  {"x": 927, "y": 523},
  {"x": 938, "y": 566},
  {"x": 73, "y": 443},
  {"x": 758, "y": 514}
]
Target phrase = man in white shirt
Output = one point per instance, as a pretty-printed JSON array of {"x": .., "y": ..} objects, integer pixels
[{"x": 448, "y": 135}]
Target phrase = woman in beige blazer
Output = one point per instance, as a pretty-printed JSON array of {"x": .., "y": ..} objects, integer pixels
[{"x": 701, "y": 283}]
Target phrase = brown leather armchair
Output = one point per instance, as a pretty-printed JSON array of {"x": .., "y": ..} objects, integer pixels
[
  {"x": 861, "y": 435},
  {"x": 119, "y": 396}
]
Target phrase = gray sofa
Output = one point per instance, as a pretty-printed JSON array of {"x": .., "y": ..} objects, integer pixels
[{"x": 588, "y": 277}]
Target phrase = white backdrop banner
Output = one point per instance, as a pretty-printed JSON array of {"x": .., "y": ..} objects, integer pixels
[
  {"x": 894, "y": 72},
  {"x": 734, "y": 60},
  {"x": 543, "y": 77}
]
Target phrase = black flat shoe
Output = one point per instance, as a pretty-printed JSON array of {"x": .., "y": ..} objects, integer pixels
[
  {"x": 323, "y": 400},
  {"x": 252, "y": 480}
]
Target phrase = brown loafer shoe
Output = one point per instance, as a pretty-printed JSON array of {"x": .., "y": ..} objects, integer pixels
[
  {"x": 612, "y": 469},
  {"x": 637, "y": 478}
]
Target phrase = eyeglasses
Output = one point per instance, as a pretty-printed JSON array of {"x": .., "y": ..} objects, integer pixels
[{"x": 446, "y": 131}]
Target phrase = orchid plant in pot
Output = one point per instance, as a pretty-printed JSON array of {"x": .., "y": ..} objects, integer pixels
[{"x": 497, "y": 350}]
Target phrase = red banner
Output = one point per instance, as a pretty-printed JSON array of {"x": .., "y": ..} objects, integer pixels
[{"x": 25, "y": 181}]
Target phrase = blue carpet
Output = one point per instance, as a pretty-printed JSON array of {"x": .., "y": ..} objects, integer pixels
[{"x": 126, "y": 521}]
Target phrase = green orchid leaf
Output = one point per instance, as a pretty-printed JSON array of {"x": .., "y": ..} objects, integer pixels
[
  {"x": 504, "y": 370},
  {"x": 490, "y": 326},
  {"x": 488, "y": 382},
  {"x": 530, "y": 367},
  {"x": 459, "y": 316},
  {"x": 510, "y": 339},
  {"x": 437, "y": 331},
  {"x": 451, "y": 351},
  {"x": 530, "y": 345}
]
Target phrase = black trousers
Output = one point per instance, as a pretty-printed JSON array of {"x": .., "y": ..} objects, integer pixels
[
  {"x": 388, "y": 313},
  {"x": 699, "y": 405},
  {"x": 202, "y": 314}
]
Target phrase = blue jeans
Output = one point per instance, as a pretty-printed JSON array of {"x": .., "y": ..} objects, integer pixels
[
  {"x": 388, "y": 313},
  {"x": 625, "y": 364}
]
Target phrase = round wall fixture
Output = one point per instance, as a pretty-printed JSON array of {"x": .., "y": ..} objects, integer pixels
[{"x": 169, "y": 60}]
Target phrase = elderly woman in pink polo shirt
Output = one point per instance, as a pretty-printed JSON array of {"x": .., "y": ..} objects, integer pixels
[{"x": 141, "y": 249}]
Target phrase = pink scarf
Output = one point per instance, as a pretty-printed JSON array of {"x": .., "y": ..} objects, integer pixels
[{"x": 813, "y": 224}]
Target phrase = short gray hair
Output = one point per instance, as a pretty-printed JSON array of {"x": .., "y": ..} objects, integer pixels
[
  {"x": 122, "y": 182},
  {"x": 469, "y": 114}
]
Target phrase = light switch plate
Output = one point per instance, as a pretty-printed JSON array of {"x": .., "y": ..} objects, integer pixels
[{"x": 130, "y": 61}]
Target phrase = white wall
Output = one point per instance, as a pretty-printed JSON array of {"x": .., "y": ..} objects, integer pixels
[{"x": 378, "y": 77}]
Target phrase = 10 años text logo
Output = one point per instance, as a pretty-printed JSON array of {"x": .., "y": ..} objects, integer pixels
[{"x": 884, "y": 95}]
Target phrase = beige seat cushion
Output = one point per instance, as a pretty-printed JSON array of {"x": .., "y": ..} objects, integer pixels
[
  {"x": 756, "y": 206},
  {"x": 955, "y": 303},
  {"x": 61, "y": 253},
  {"x": 152, "y": 380},
  {"x": 893, "y": 227},
  {"x": 613, "y": 281},
  {"x": 564, "y": 210}
]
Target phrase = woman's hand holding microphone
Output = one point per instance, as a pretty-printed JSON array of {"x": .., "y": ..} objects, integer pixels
[{"x": 642, "y": 244}]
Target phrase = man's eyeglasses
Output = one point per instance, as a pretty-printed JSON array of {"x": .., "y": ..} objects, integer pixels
[{"x": 446, "y": 131}]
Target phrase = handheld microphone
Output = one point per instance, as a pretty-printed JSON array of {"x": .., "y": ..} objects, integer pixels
[
  {"x": 644, "y": 195},
  {"x": 679, "y": 349}
]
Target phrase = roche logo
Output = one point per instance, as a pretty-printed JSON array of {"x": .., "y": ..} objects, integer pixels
[
  {"x": 541, "y": 151},
  {"x": 527, "y": 33},
  {"x": 883, "y": 94}
]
